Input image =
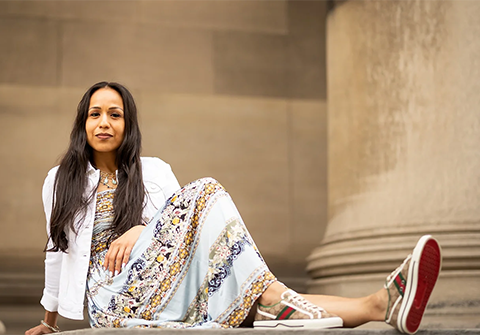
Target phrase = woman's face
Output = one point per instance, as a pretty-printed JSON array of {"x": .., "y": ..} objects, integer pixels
[{"x": 105, "y": 122}]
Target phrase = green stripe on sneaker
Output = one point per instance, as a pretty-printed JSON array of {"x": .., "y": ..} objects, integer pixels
[
  {"x": 290, "y": 314},
  {"x": 285, "y": 313},
  {"x": 399, "y": 288}
]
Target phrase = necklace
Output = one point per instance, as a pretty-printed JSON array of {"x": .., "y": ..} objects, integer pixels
[{"x": 105, "y": 177}]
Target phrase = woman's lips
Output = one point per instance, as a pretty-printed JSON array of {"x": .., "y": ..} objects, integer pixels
[{"x": 104, "y": 136}]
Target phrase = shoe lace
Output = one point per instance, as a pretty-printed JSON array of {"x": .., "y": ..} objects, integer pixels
[
  {"x": 398, "y": 269},
  {"x": 304, "y": 304}
]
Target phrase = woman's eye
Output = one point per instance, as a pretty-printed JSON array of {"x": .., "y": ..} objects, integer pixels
[
  {"x": 94, "y": 114},
  {"x": 116, "y": 115}
]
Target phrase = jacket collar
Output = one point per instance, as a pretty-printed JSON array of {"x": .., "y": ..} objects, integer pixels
[{"x": 90, "y": 169}]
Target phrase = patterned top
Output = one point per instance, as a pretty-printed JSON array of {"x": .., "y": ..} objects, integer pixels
[
  {"x": 102, "y": 224},
  {"x": 104, "y": 212}
]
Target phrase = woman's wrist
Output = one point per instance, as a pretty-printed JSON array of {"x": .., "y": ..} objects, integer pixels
[
  {"x": 53, "y": 328},
  {"x": 50, "y": 319}
]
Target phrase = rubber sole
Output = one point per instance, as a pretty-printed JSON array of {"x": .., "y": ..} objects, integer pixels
[
  {"x": 333, "y": 322},
  {"x": 423, "y": 273}
]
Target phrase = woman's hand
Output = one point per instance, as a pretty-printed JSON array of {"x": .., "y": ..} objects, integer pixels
[
  {"x": 40, "y": 329},
  {"x": 119, "y": 252},
  {"x": 50, "y": 319}
]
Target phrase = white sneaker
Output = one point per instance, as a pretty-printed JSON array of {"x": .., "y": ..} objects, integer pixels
[
  {"x": 410, "y": 285},
  {"x": 294, "y": 311}
]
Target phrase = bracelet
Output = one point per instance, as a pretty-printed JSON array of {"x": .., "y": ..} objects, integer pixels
[{"x": 53, "y": 329}]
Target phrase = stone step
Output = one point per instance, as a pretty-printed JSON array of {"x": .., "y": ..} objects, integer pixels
[
  {"x": 269, "y": 332},
  {"x": 19, "y": 318}
]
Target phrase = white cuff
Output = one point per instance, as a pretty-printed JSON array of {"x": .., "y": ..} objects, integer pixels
[{"x": 49, "y": 301}]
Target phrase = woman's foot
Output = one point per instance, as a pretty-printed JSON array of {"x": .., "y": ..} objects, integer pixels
[
  {"x": 293, "y": 311},
  {"x": 410, "y": 285}
]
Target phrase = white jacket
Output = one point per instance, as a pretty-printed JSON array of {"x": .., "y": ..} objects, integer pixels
[{"x": 66, "y": 273}]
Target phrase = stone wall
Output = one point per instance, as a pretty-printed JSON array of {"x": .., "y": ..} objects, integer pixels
[{"x": 230, "y": 89}]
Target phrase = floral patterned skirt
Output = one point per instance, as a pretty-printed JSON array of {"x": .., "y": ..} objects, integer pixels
[{"x": 194, "y": 265}]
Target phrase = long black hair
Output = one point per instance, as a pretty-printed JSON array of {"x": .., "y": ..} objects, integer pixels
[{"x": 70, "y": 201}]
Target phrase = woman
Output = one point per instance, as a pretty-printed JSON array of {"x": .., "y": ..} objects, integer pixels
[{"x": 148, "y": 253}]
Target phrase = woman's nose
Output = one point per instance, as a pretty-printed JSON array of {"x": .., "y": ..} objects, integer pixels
[{"x": 104, "y": 120}]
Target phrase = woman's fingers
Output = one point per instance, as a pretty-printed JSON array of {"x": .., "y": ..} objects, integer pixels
[
  {"x": 110, "y": 258},
  {"x": 118, "y": 261},
  {"x": 116, "y": 257},
  {"x": 119, "y": 252},
  {"x": 40, "y": 329},
  {"x": 106, "y": 261},
  {"x": 126, "y": 255}
]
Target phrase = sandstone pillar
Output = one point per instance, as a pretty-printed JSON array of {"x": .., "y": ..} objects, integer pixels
[{"x": 404, "y": 149}]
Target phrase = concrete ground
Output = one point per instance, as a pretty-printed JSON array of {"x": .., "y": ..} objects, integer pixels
[
  {"x": 18, "y": 318},
  {"x": 275, "y": 332}
]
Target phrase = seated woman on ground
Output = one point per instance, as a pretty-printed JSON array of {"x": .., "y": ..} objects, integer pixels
[{"x": 148, "y": 253}]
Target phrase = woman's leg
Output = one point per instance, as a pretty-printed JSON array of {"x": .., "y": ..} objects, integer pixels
[
  {"x": 401, "y": 303},
  {"x": 354, "y": 311}
]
